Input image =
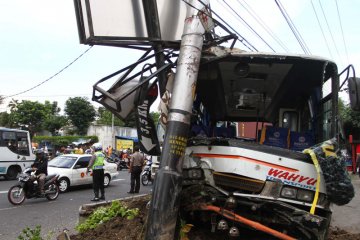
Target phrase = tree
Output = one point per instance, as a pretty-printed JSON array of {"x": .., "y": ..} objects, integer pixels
[
  {"x": 350, "y": 120},
  {"x": 52, "y": 108},
  {"x": 54, "y": 123},
  {"x": 13, "y": 104},
  {"x": 29, "y": 115},
  {"x": 105, "y": 118},
  {"x": 6, "y": 120},
  {"x": 80, "y": 112}
]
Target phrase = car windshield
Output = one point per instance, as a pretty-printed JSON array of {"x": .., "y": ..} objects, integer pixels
[{"x": 62, "y": 162}]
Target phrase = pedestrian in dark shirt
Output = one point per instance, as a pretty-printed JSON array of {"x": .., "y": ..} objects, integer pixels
[{"x": 135, "y": 168}]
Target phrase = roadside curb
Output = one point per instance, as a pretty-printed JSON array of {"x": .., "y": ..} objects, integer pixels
[{"x": 86, "y": 209}]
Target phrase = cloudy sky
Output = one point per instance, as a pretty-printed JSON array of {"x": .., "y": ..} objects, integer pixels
[{"x": 40, "y": 37}]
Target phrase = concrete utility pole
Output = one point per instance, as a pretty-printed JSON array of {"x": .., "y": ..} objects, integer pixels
[{"x": 164, "y": 208}]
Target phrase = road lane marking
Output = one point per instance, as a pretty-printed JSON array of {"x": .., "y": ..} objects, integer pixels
[{"x": 115, "y": 180}]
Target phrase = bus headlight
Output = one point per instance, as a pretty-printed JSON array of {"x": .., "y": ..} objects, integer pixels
[
  {"x": 305, "y": 195},
  {"x": 288, "y": 192},
  {"x": 193, "y": 173}
]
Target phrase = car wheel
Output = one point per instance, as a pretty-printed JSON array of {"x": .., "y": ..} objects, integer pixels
[
  {"x": 106, "y": 180},
  {"x": 64, "y": 184}
]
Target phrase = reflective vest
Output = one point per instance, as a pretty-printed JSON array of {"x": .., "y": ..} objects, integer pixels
[{"x": 99, "y": 161}]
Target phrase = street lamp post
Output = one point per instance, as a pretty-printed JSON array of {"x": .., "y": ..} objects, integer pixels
[{"x": 164, "y": 208}]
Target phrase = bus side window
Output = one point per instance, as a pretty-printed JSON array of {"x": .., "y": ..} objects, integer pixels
[
  {"x": 12, "y": 146},
  {"x": 22, "y": 144},
  {"x": 9, "y": 140},
  {"x": 16, "y": 142}
]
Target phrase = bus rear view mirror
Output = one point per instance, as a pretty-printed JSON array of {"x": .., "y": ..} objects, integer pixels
[{"x": 354, "y": 93}]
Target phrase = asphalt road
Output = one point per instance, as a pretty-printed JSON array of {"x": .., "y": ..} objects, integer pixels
[
  {"x": 62, "y": 214},
  {"x": 55, "y": 215}
]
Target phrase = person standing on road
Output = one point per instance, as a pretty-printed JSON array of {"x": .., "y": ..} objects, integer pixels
[
  {"x": 135, "y": 168},
  {"x": 97, "y": 165}
]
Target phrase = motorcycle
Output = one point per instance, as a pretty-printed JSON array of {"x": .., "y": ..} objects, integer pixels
[
  {"x": 121, "y": 164},
  {"x": 26, "y": 188},
  {"x": 146, "y": 173}
]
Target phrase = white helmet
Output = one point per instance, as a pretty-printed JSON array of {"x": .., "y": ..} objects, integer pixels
[{"x": 97, "y": 147}]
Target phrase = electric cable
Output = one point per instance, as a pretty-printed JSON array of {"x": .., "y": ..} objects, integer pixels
[
  {"x": 263, "y": 25},
  {"x": 322, "y": 31},
  {"x": 332, "y": 37},
  {"x": 292, "y": 27},
  {"x": 243, "y": 40},
  {"x": 342, "y": 32},
  {"x": 251, "y": 29},
  {"x": 82, "y": 54}
]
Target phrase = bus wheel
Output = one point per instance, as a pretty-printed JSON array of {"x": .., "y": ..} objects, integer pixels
[{"x": 12, "y": 173}]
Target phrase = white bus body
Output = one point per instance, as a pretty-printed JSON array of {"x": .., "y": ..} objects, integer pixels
[{"x": 15, "y": 152}]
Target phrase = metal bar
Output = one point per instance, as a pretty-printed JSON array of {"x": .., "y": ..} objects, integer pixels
[
  {"x": 347, "y": 70},
  {"x": 80, "y": 21},
  {"x": 164, "y": 208},
  {"x": 163, "y": 68},
  {"x": 334, "y": 105},
  {"x": 154, "y": 32},
  {"x": 89, "y": 18}
]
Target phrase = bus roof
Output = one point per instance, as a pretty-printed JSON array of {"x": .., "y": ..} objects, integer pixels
[{"x": 12, "y": 129}]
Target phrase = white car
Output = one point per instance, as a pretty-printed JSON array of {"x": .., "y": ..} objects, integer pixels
[{"x": 72, "y": 170}]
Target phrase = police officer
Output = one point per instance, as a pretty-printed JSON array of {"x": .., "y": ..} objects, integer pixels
[
  {"x": 136, "y": 164},
  {"x": 97, "y": 165}
]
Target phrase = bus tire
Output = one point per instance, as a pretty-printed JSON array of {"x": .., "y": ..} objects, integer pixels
[{"x": 12, "y": 172}]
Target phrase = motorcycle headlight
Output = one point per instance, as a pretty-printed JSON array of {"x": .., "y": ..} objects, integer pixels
[
  {"x": 288, "y": 192},
  {"x": 305, "y": 195}
]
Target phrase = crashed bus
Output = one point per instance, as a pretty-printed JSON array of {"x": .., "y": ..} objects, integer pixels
[{"x": 280, "y": 184}]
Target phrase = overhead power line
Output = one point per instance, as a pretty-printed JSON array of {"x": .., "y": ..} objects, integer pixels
[
  {"x": 342, "y": 32},
  {"x": 251, "y": 29},
  {"x": 292, "y": 27},
  {"x": 322, "y": 31},
  {"x": 243, "y": 40},
  {"x": 332, "y": 37},
  {"x": 13, "y": 95},
  {"x": 263, "y": 24}
]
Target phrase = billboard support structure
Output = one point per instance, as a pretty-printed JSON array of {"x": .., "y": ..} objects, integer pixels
[{"x": 165, "y": 200}]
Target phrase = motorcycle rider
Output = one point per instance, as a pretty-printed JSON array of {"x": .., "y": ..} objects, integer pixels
[
  {"x": 97, "y": 165},
  {"x": 40, "y": 167}
]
